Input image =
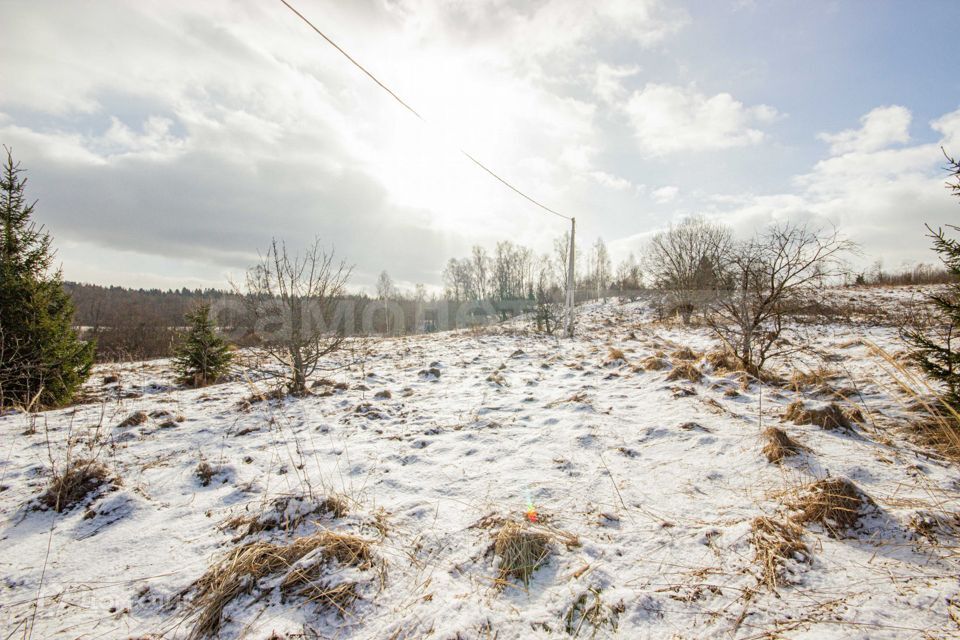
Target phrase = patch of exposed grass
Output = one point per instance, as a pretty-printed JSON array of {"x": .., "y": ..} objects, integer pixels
[
  {"x": 830, "y": 416},
  {"x": 78, "y": 479},
  {"x": 287, "y": 513},
  {"x": 835, "y": 503},
  {"x": 685, "y": 371},
  {"x": 778, "y": 445},
  {"x": 242, "y": 569},
  {"x": 520, "y": 550},
  {"x": 775, "y": 542}
]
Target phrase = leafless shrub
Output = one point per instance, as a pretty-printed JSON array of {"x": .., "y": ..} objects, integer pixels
[
  {"x": 292, "y": 298},
  {"x": 764, "y": 280}
]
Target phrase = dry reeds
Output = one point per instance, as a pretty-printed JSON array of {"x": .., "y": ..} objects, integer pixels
[
  {"x": 685, "y": 371},
  {"x": 835, "y": 503},
  {"x": 939, "y": 429},
  {"x": 520, "y": 550},
  {"x": 830, "y": 416},
  {"x": 78, "y": 479},
  {"x": 775, "y": 542},
  {"x": 243, "y": 568},
  {"x": 778, "y": 445}
]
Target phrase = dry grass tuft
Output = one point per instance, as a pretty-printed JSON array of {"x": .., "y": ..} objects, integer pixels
[
  {"x": 134, "y": 419},
  {"x": 723, "y": 361},
  {"x": 653, "y": 363},
  {"x": 685, "y": 353},
  {"x": 774, "y": 543},
  {"x": 818, "y": 379},
  {"x": 836, "y": 503},
  {"x": 286, "y": 513},
  {"x": 243, "y": 568},
  {"x": 205, "y": 473},
  {"x": 520, "y": 549},
  {"x": 830, "y": 416},
  {"x": 70, "y": 487},
  {"x": 685, "y": 371},
  {"x": 614, "y": 357},
  {"x": 778, "y": 445}
]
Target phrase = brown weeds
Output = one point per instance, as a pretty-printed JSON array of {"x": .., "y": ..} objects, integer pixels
[
  {"x": 830, "y": 416},
  {"x": 775, "y": 542},
  {"x": 778, "y": 445},
  {"x": 835, "y": 503},
  {"x": 685, "y": 371},
  {"x": 79, "y": 478},
  {"x": 521, "y": 549}
]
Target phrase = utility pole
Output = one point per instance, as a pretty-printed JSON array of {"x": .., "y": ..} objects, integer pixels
[{"x": 570, "y": 277}]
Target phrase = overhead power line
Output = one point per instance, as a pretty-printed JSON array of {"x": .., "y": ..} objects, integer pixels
[{"x": 415, "y": 113}]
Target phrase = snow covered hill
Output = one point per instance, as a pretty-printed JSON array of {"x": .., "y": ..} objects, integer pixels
[{"x": 397, "y": 500}]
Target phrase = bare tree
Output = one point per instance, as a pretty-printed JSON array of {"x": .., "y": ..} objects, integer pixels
[
  {"x": 629, "y": 275},
  {"x": 292, "y": 298},
  {"x": 766, "y": 279},
  {"x": 481, "y": 267},
  {"x": 682, "y": 263}
]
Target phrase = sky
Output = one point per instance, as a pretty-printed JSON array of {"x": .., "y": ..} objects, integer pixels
[{"x": 168, "y": 141}]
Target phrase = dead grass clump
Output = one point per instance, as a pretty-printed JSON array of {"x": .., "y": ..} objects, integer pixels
[
  {"x": 134, "y": 419},
  {"x": 205, "y": 473},
  {"x": 653, "y": 363},
  {"x": 520, "y": 549},
  {"x": 261, "y": 396},
  {"x": 287, "y": 513},
  {"x": 685, "y": 371},
  {"x": 829, "y": 417},
  {"x": 778, "y": 445},
  {"x": 835, "y": 503},
  {"x": 81, "y": 477},
  {"x": 723, "y": 361},
  {"x": 244, "y": 568},
  {"x": 818, "y": 379},
  {"x": 775, "y": 542},
  {"x": 685, "y": 353},
  {"x": 615, "y": 357}
]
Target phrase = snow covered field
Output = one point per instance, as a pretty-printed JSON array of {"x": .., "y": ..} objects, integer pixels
[{"x": 646, "y": 489}]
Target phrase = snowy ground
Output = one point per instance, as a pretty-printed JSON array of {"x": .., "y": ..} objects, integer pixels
[{"x": 658, "y": 480}]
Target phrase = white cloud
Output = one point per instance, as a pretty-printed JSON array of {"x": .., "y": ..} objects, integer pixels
[
  {"x": 665, "y": 194},
  {"x": 879, "y": 129},
  {"x": 608, "y": 81},
  {"x": 669, "y": 118},
  {"x": 880, "y": 198}
]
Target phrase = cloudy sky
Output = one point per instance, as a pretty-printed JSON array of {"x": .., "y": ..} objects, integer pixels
[{"x": 167, "y": 141}]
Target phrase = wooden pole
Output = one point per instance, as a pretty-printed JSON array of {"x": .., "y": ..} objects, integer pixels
[{"x": 571, "y": 280}]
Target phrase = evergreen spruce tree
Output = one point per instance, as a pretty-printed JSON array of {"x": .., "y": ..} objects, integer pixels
[
  {"x": 937, "y": 349},
  {"x": 42, "y": 361},
  {"x": 202, "y": 356}
]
